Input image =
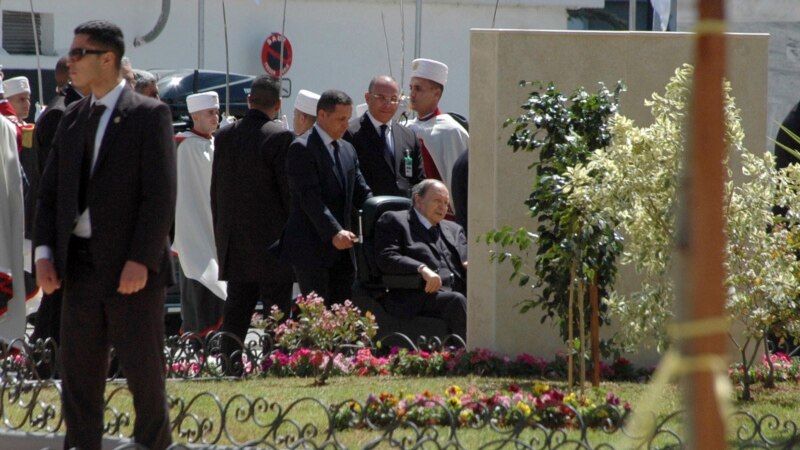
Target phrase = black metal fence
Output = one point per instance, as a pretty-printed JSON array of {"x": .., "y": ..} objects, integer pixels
[{"x": 31, "y": 403}]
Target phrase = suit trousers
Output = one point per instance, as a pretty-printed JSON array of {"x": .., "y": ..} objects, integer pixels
[
  {"x": 92, "y": 320},
  {"x": 334, "y": 284},
  {"x": 241, "y": 303},
  {"x": 450, "y": 306}
]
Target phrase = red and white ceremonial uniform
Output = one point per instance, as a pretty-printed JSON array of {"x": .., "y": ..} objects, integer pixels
[
  {"x": 442, "y": 141},
  {"x": 12, "y": 285}
]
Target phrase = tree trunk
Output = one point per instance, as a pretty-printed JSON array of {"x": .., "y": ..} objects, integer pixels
[{"x": 595, "y": 331}]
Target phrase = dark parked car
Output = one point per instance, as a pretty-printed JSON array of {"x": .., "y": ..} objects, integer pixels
[{"x": 174, "y": 85}]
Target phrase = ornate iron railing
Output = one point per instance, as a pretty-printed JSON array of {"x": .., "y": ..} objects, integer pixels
[
  {"x": 207, "y": 421},
  {"x": 30, "y": 403},
  {"x": 192, "y": 356}
]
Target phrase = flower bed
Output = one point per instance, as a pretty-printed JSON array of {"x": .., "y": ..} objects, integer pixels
[
  {"x": 785, "y": 369},
  {"x": 306, "y": 362},
  {"x": 538, "y": 406}
]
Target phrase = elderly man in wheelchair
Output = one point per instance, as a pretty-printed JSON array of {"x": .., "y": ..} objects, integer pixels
[{"x": 415, "y": 262}]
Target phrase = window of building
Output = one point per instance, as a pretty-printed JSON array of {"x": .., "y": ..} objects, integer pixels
[
  {"x": 18, "y": 35},
  {"x": 612, "y": 17}
]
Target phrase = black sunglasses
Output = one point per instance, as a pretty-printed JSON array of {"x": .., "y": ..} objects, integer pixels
[{"x": 78, "y": 53}]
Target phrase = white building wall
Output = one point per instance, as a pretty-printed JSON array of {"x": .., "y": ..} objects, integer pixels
[
  {"x": 779, "y": 18},
  {"x": 336, "y": 43}
]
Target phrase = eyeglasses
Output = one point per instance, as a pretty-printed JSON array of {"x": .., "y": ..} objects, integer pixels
[
  {"x": 383, "y": 99},
  {"x": 76, "y": 54}
]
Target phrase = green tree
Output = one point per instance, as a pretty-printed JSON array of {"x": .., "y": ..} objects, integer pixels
[
  {"x": 573, "y": 248},
  {"x": 638, "y": 190}
]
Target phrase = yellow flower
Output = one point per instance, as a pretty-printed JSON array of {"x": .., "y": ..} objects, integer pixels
[
  {"x": 454, "y": 391},
  {"x": 454, "y": 402},
  {"x": 523, "y": 408},
  {"x": 540, "y": 388},
  {"x": 355, "y": 407},
  {"x": 465, "y": 415}
]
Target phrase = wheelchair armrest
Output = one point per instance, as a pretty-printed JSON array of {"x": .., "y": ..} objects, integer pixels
[{"x": 408, "y": 281}]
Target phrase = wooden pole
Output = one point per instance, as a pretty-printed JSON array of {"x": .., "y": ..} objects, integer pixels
[
  {"x": 571, "y": 327},
  {"x": 706, "y": 240},
  {"x": 594, "y": 330}
]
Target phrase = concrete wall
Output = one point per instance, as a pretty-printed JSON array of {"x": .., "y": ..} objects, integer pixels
[
  {"x": 499, "y": 178},
  {"x": 337, "y": 43}
]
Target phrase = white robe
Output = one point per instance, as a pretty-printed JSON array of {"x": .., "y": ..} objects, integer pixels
[
  {"x": 194, "y": 229},
  {"x": 12, "y": 223},
  {"x": 445, "y": 140}
]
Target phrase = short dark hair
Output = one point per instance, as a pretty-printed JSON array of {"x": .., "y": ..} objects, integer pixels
[
  {"x": 265, "y": 92},
  {"x": 330, "y": 99},
  {"x": 106, "y": 34},
  {"x": 61, "y": 66}
]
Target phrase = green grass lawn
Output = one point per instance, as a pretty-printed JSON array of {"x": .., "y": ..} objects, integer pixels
[{"x": 233, "y": 414}]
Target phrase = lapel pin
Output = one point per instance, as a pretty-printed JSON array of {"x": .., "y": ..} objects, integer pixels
[{"x": 117, "y": 119}]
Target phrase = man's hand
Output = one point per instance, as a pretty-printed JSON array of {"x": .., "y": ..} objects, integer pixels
[
  {"x": 343, "y": 240},
  {"x": 133, "y": 278},
  {"x": 46, "y": 276},
  {"x": 432, "y": 280}
]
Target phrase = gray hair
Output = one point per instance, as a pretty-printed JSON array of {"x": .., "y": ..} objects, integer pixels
[
  {"x": 422, "y": 187},
  {"x": 142, "y": 79}
]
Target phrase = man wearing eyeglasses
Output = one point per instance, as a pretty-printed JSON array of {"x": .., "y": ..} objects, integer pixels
[
  {"x": 106, "y": 204},
  {"x": 388, "y": 153}
]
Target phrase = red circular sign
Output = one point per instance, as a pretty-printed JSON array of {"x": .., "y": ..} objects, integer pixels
[{"x": 272, "y": 61}]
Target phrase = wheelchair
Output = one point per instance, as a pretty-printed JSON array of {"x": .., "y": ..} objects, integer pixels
[{"x": 372, "y": 286}]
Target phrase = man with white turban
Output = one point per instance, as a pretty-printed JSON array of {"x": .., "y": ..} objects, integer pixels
[
  {"x": 305, "y": 111},
  {"x": 202, "y": 293},
  {"x": 441, "y": 137}
]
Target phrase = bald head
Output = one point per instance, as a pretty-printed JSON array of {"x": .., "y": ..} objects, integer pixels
[
  {"x": 62, "y": 72},
  {"x": 383, "y": 98}
]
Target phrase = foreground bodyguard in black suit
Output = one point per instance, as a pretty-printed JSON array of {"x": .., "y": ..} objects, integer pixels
[
  {"x": 106, "y": 204},
  {"x": 249, "y": 206},
  {"x": 388, "y": 153},
  {"x": 421, "y": 241},
  {"x": 326, "y": 184}
]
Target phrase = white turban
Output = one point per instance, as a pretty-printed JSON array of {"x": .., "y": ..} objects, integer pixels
[
  {"x": 201, "y": 101},
  {"x": 15, "y": 86},
  {"x": 306, "y": 102},
  {"x": 430, "y": 70}
]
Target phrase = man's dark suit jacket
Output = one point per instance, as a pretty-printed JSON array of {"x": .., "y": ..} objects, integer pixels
[
  {"x": 321, "y": 206},
  {"x": 47, "y": 124},
  {"x": 402, "y": 244},
  {"x": 250, "y": 198},
  {"x": 131, "y": 194},
  {"x": 46, "y": 127},
  {"x": 383, "y": 176},
  {"x": 459, "y": 188}
]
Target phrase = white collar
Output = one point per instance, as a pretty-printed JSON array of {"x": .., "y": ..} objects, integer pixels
[
  {"x": 322, "y": 134},
  {"x": 110, "y": 99},
  {"x": 377, "y": 124},
  {"x": 425, "y": 222}
]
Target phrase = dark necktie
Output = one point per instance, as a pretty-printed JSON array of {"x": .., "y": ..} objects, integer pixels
[
  {"x": 88, "y": 153},
  {"x": 387, "y": 151},
  {"x": 338, "y": 162},
  {"x": 435, "y": 233}
]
